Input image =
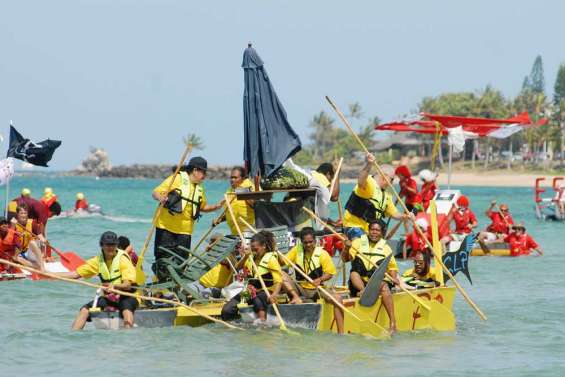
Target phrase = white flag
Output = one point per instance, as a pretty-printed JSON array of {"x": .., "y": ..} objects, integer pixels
[{"x": 6, "y": 170}]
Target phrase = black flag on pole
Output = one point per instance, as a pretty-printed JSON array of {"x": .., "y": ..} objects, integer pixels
[
  {"x": 459, "y": 260},
  {"x": 26, "y": 150}
]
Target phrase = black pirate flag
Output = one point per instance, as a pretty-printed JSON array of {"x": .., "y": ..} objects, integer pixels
[
  {"x": 459, "y": 260},
  {"x": 26, "y": 150}
]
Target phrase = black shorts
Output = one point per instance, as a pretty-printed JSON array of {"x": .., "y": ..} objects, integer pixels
[
  {"x": 170, "y": 241},
  {"x": 124, "y": 303}
]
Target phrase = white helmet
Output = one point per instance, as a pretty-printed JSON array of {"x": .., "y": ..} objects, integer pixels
[
  {"x": 422, "y": 223},
  {"x": 427, "y": 175}
]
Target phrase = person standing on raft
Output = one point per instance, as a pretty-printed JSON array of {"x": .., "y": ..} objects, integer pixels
[
  {"x": 464, "y": 219},
  {"x": 409, "y": 189},
  {"x": 181, "y": 207},
  {"x": 239, "y": 182}
]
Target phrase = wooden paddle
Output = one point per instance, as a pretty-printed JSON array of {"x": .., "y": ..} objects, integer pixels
[
  {"x": 119, "y": 292},
  {"x": 418, "y": 229},
  {"x": 327, "y": 294},
  {"x": 263, "y": 285},
  {"x": 364, "y": 257},
  {"x": 140, "y": 275}
]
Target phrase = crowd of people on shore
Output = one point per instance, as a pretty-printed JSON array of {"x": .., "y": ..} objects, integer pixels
[{"x": 368, "y": 211}]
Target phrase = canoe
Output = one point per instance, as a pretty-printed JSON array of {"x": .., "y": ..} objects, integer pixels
[
  {"x": 410, "y": 316},
  {"x": 497, "y": 249},
  {"x": 18, "y": 274}
]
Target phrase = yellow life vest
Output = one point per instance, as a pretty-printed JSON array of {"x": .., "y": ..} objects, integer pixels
[
  {"x": 114, "y": 275},
  {"x": 368, "y": 209},
  {"x": 312, "y": 267},
  {"x": 263, "y": 271},
  {"x": 413, "y": 279},
  {"x": 190, "y": 193},
  {"x": 241, "y": 209},
  {"x": 26, "y": 233},
  {"x": 321, "y": 178},
  {"x": 373, "y": 254}
]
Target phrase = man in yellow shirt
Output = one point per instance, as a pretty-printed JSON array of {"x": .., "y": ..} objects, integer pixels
[
  {"x": 182, "y": 207},
  {"x": 369, "y": 200},
  {"x": 239, "y": 182},
  {"x": 375, "y": 249},
  {"x": 421, "y": 276},
  {"x": 317, "y": 264},
  {"x": 115, "y": 270}
]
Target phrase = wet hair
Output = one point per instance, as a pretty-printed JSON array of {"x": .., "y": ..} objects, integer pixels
[
  {"x": 326, "y": 168},
  {"x": 270, "y": 241},
  {"x": 55, "y": 208},
  {"x": 123, "y": 242},
  {"x": 22, "y": 206},
  {"x": 381, "y": 223},
  {"x": 307, "y": 231},
  {"x": 242, "y": 171}
]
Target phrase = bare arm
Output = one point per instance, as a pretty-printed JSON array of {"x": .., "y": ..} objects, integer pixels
[{"x": 364, "y": 173}]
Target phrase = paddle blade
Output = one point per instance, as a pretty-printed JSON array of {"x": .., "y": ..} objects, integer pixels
[
  {"x": 70, "y": 260},
  {"x": 372, "y": 290}
]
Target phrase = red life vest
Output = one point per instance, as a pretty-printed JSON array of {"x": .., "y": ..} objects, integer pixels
[
  {"x": 463, "y": 221},
  {"x": 48, "y": 203},
  {"x": 427, "y": 193},
  {"x": 411, "y": 198},
  {"x": 81, "y": 204},
  {"x": 8, "y": 246},
  {"x": 521, "y": 245},
  {"x": 498, "y": 224}
]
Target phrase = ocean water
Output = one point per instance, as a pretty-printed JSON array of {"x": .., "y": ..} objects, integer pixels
[{"x": 523, "y": 298}]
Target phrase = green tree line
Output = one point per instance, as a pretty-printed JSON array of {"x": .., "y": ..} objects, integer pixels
[{"x": 328, "y": 140}]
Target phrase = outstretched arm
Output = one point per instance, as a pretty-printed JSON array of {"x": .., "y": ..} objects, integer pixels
[{"x": 364, "y": 173}]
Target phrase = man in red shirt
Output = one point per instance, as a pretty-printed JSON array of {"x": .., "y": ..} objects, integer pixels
[
  {"x": 500, "y": 226},
  {"x": 36, "y": 209},
  {"x": 521, "y": 243},
  {"x": 464, "y": 219},
  {"x": 409, "y": 189}
]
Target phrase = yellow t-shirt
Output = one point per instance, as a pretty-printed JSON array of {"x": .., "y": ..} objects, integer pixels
[
  {"x": 430, "y": 275},
  {"x": 181, "y": 223},
  {"x": 90, "y": 268},
  {"x": 240, "y": 209},
  {"x": 321, "y": 178},
  {"x": 352, "y": 221},
  {"x": 326, "y": 262},
  {"x": 272, "y": 266},
  {"x": 356, "y": 246},
  {"x": 218, "y": 277}
]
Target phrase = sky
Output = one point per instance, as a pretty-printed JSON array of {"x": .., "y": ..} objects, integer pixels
[{"x": 135, "y": 76}]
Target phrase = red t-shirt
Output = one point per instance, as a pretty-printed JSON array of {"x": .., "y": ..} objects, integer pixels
[
  {"x": 520, "y": 245},
  {"x": 81, "y": 204},
  {"x": 410, "y": 198},
  {"x": 498, "y": 225},
  {"x": 463, "y": 221},
  {"x": 415, "y": 242},
  {"x": 427, "y": 193}
]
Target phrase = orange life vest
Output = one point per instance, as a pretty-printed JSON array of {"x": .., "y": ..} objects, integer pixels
[
  {"x": 26, "y": 233},
  {"x": 8, "y": 245},
  {"x": 49, "y": 202}
]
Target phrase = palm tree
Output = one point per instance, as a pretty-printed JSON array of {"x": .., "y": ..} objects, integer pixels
[
  {"x": 324, "y": 132},
  {"x": 195, "y": 140}
]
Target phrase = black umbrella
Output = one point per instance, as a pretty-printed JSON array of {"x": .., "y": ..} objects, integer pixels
[{"x": 268, "y": 138}]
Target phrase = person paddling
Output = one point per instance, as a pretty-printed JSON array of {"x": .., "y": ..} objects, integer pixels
[
  {"x": 500, "y": 226},
  {"x": 521, "y": 243},
  {"x": 115, "y": 270},
  {"x": 81, "y": 204},
  {"x": 376, "y": 249},
  {"x": 315, "y": 262},
  {"x": 30, "y": 248}
]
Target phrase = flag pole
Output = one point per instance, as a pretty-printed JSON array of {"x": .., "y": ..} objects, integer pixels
[{"x": 7, "y": 196}]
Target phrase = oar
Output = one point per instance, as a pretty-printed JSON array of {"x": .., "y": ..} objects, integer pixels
[
  {"x": 393, "y": 231},
  {"x": 263, "y": 285},
  {"x": 364, "y": 257},
  {"x": 140, "y": 275},
  {"x": 336, "y": 175},
  {"x": 363, "y": 322},
  {"x": 119, "y": 292},
  {"x": 418, "y": 229}
]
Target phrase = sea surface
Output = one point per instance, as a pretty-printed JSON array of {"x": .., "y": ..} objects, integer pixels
[{"x": 523, "y": 298}]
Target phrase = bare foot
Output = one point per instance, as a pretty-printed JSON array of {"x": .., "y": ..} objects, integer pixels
[{"x": 392, "y": 329}]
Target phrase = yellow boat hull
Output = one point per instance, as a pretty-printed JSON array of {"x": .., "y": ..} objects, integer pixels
[
  {"x": 410, "y": 316},
  {"x": 478, "y": 252}
]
